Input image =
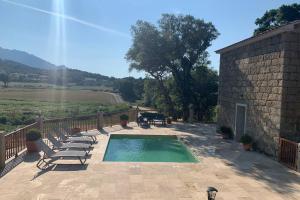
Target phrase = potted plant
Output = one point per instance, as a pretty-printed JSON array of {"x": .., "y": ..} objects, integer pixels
[
  {"x": 32, "y": 136},
  {"x": 246, "y": 140},
  {"x": 124, "y": 120},
  {"x": 226, "y": 132}
]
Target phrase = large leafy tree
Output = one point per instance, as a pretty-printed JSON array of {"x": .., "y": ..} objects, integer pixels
[
  {"x": 176, "y": 47},
  {"x": 277, "y": 17},
  {"x": 4, "y": 78},
  {"x": 147, "y": 54}
]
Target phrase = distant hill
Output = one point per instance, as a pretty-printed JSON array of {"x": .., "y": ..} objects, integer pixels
[
  {"x": 25, "y": 58},
  {"x": 26, "y": 68}
]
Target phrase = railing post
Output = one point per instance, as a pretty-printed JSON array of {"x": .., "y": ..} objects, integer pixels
[
  {"x": 100, "y": 120},
  {"x": 2, "y": 150},
  {"x": 40, "y": 121}
]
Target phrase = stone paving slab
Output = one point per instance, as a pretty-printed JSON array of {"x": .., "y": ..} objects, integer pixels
[{"x": 238, "y": 175}]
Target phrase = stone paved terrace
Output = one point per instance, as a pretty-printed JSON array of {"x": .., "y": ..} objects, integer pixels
[{"x": 223, "y": 164}]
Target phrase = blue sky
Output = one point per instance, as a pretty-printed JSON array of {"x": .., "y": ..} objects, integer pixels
[{"x": 94, "y": 35}]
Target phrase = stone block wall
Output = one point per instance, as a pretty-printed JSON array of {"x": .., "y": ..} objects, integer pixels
[
  {"x": 253, "y": 75},
  {"x": 290, "y": 119}
]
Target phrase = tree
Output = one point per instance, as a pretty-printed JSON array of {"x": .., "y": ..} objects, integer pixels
[
  {"x": 147, "y": 54},
  {"x": 205, "y": 93},
  {"x": 277, "y": 17},
  {"x": 4, "y": 78},
  {"x": 131, "y": 89},
  {"x": 174, "y": 48}
]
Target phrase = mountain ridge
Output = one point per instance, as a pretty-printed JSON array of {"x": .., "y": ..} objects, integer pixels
[{"x": 25, "y": 58}]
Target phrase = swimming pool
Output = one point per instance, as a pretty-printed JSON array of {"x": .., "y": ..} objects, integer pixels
[{"x": 147, "y": 148}]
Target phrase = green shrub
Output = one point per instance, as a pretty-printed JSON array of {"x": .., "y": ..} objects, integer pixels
[
  {"x": 246, "y": 139},
  {"x": 29, "y": 121},
  {"x": 33, "y": 135},
  {"x": 226, "y": 130},
  {"x": 3, "y": 120},
  {"x": 16, "y": 121},
  {"x": 124, "y": 117}
]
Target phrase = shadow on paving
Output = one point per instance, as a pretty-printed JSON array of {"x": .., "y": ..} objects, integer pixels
[
  {"x": 111, "y": 129},
  {"x": 205, "y": 142},
  {"x": 12, "y": 164},
  {"x": 23, "y": 157},
  {"x": 61, "y": 167},
  {"x": 34, "y": 157}
]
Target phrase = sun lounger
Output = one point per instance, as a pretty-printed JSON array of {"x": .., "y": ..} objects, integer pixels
[
  {"x": 90, "y": 133},
  {"x": 62, "y": 146},
  {"x": 64, "y": 138},
  {"x": 53, "y": 156}
]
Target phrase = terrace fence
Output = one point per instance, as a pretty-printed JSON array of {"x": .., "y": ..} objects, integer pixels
[
  {"x": 13, "y": 143},
  {"x": 288, "y": 153}
]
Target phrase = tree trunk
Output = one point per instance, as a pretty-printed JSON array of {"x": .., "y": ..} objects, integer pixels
[
  {"x": 183, "y": 82},
  {"x": 168, "y": 100}
]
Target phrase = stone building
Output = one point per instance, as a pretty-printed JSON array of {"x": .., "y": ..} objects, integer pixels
[{"x": 259, "y": 92}]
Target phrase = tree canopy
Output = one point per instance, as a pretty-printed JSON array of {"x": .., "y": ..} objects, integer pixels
[
  {"x": 130, "y": 89},
  {"x": 277, "y": 17},
  {"x": 175, "y": 47}
]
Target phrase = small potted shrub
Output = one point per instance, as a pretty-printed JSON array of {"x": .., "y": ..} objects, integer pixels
[
  {"x": 124, "y": 120},
  {"x": 32, "y": 136},
  {"x": 246, "y": 140},
  {"x": 226, "y": 132}
]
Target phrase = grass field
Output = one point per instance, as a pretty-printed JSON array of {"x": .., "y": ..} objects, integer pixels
[
  {"x": 20, "y": 106},
  {"x": 57, "y": 95}
]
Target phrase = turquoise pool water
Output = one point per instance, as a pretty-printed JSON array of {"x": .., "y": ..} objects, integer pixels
[{"x": 144, "y": 148}]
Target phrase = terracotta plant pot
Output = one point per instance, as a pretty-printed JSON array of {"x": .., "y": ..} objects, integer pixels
[
  {"x": 31, "y": 147},
  {"x": 124, "y": 123},
  {"x": 247, "y": 147}
]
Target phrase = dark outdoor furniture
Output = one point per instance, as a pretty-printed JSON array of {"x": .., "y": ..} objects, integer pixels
[
  {"x": 142, "y": 121},
  {"x": 53, "y": 156},
  {"x": 153, "y": 118},
  {"x": 159, "y": 122}
]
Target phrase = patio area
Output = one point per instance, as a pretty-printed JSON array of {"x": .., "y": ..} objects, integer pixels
[{"x": 238, "y": 175}]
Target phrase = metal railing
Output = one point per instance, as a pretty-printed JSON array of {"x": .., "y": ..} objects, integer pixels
[
  {"x": 288, "y": 153},
  {"x": 114, "y": 118},
  {"x": 15, "y": 141},
  {"x": 83, "y": 122}
]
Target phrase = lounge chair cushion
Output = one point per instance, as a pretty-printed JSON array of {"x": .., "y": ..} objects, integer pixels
[{"x": 69, "y": 153}]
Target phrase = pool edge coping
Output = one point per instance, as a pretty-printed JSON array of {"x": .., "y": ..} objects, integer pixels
[{"x": 128, "y": 162}]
